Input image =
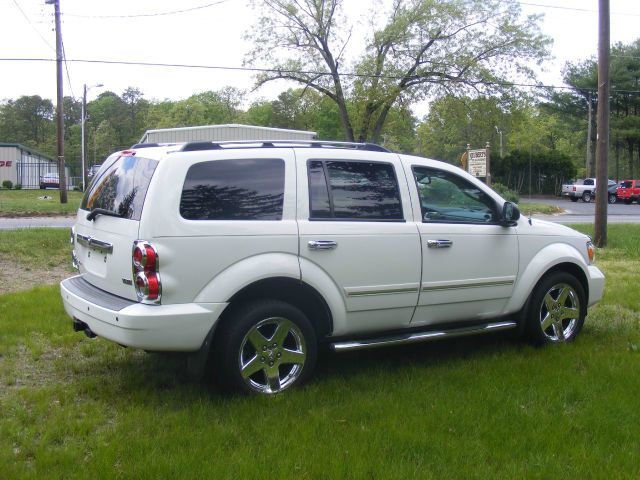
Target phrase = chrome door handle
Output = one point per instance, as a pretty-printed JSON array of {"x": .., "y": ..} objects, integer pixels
[
  {"x": 439, "y": 243},
  {"x": 322, "y": 244}
]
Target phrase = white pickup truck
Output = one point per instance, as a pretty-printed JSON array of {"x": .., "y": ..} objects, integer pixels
[{"x": 584, "y": 189}]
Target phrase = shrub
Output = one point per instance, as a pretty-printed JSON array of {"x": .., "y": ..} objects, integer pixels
[
  {"x": 505, "y": 193},
  {"x": 18, "y": 186},
  {"x": 8, "y": 184}
]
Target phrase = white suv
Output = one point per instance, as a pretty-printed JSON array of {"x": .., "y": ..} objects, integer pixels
[{"x": 252, "y": 254}]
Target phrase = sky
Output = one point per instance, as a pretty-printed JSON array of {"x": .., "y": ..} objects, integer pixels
[{"x": 210, "y": 32}]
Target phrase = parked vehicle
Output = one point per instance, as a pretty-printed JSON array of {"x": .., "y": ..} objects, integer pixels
[
  {"x": 584, "y": 189},
  {"x": 629, "y": 191},
  {"x": 251, "y": 255},
  {"x": 612, "y": 192},
  {"x": 49, "y": 180}
]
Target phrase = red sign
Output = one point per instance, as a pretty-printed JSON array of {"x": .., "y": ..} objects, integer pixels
[{"x": 7, "y": 163}]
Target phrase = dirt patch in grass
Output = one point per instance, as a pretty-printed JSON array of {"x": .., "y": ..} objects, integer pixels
[{"x": 15, "y": 277}]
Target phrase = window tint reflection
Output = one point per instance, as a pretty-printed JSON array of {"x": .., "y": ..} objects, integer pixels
[
  {"x": 244, "y": 189},
  {"x": 357, "y": 190},
  {"x": 122, "y": 187}
]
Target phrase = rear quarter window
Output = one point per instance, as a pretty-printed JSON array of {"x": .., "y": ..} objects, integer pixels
[
  {"x": 122, "y": 187},
  {"x": 239, "y": 189}
]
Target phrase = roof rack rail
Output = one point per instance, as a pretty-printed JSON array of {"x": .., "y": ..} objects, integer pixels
[
  {"x": 229, "y": 144},
  {"x": 152, "y": 144}
]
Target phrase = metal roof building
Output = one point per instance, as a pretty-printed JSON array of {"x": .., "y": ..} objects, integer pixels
[
  {"x": 24, "y": 166},
  {"x": 223, "y": 133}
]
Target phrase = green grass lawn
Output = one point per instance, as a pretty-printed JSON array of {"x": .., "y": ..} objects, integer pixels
[
  {"x": 538, "y": 208},
  {"x": 482, "y": 407},
  {"x": 31, "y": 202}
]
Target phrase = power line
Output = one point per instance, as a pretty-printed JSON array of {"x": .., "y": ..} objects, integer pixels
[
  {"x": 575, "y": 9},
  {"x": 298, "y": 72},
  {"x": 33, "y": 26},
  {"x": 66, "y": 67},
  {"x": 157, "y": 14}
]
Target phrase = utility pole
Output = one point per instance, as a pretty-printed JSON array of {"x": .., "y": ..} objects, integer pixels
[
  {"x": 59, "y": 108},
  {"x": 588, "y": 172},
  {"x": 602, "y": 150}
]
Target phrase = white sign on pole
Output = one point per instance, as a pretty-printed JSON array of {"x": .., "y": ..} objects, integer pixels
[{"x": 478, "y": 163}]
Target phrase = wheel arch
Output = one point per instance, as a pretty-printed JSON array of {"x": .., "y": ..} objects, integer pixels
[
  {"x": 289, "y": 290},
  {"x": 553, "y": 258}
]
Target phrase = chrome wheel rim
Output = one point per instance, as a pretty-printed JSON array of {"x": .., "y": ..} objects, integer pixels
[
  {"x": 559, "y": 312},
  {"x": 272, "y": 355}
]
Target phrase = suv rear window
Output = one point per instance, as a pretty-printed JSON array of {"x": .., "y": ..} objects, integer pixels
[
  {"x": 243, "y": 189},
  {"x": 121, "y": 187}
]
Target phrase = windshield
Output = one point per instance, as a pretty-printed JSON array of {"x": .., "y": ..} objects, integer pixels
[{"x": 121, "y": 186}]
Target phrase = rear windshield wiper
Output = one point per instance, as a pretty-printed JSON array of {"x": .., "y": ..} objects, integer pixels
[{"x": 102, "y": 211}]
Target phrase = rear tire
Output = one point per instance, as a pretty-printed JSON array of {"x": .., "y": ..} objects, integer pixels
[
  {"x": 265, "y": 347},
  {"x": 627, "y": 201},
  {"x": 556, "y": 310},
  {"x": 586, "y": 197},
  {"x": 613, "y": 199}
]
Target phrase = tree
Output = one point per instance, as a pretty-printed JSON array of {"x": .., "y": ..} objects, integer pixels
[
  {"x": 453, "y": 122},
  {"x": 624, "y": 107},
  {"x": 414, "y": 48},
  {"x": 27, "y": 120}
]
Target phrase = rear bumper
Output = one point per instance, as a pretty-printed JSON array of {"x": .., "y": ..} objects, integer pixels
[
  {"x": 179, "y": 327},
  {"x": 596, "y": 285}
]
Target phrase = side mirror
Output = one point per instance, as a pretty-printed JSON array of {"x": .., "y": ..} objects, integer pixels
[{"x": 510, "y": 215}]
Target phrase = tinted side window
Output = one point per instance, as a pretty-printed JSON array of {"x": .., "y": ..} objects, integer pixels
[
  {"x": 356, "y": 191},
  {"x": 448, "y": 198},
  {"x": 245, "y": 189}
]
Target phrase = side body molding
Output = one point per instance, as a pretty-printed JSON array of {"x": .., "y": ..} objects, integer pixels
[
  {"x": 247, "y": 271},
  {"x": 543, "y": 261}
]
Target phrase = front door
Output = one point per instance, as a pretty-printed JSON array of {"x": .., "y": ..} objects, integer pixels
[{"x": 469, "y": 262}]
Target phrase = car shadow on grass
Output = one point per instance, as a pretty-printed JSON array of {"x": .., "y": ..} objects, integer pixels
[{"x": 115, "y": 371}]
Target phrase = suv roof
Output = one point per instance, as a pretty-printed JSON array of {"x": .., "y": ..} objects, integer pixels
[{"x": 236, "y": 144}]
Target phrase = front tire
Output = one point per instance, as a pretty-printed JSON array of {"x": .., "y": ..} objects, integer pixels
[
  {"x": 613, "y": 199},
  {"x": 266, "y": 347},
  {"x": 557, "y": 309}
]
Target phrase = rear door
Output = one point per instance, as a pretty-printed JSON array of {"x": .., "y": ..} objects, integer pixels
[
  {"x": 104, "y": 241},
  {"x": 356, "y": 228}
]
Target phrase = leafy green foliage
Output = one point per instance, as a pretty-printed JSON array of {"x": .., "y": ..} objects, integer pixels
[
  {"x": 505, "y": 192},
  {"x": 414, "y": 49},
  {"x": 543, "y": 172}
]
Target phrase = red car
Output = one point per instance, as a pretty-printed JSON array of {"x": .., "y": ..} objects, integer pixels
[{"x": 628, "y": 191}]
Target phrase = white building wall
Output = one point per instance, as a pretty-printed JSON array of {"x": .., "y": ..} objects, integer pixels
[{"x": 9, "y": 158}]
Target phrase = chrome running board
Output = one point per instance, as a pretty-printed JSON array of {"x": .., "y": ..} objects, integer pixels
[{"x": 416, "y": 337}]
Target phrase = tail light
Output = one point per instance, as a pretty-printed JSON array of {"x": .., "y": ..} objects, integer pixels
[
  {"x": 146, "y": 272},
  {"x": 574, "y": 188}
]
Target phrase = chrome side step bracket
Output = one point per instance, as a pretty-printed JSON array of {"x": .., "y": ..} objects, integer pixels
[{"x": 416, "y": 337}]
